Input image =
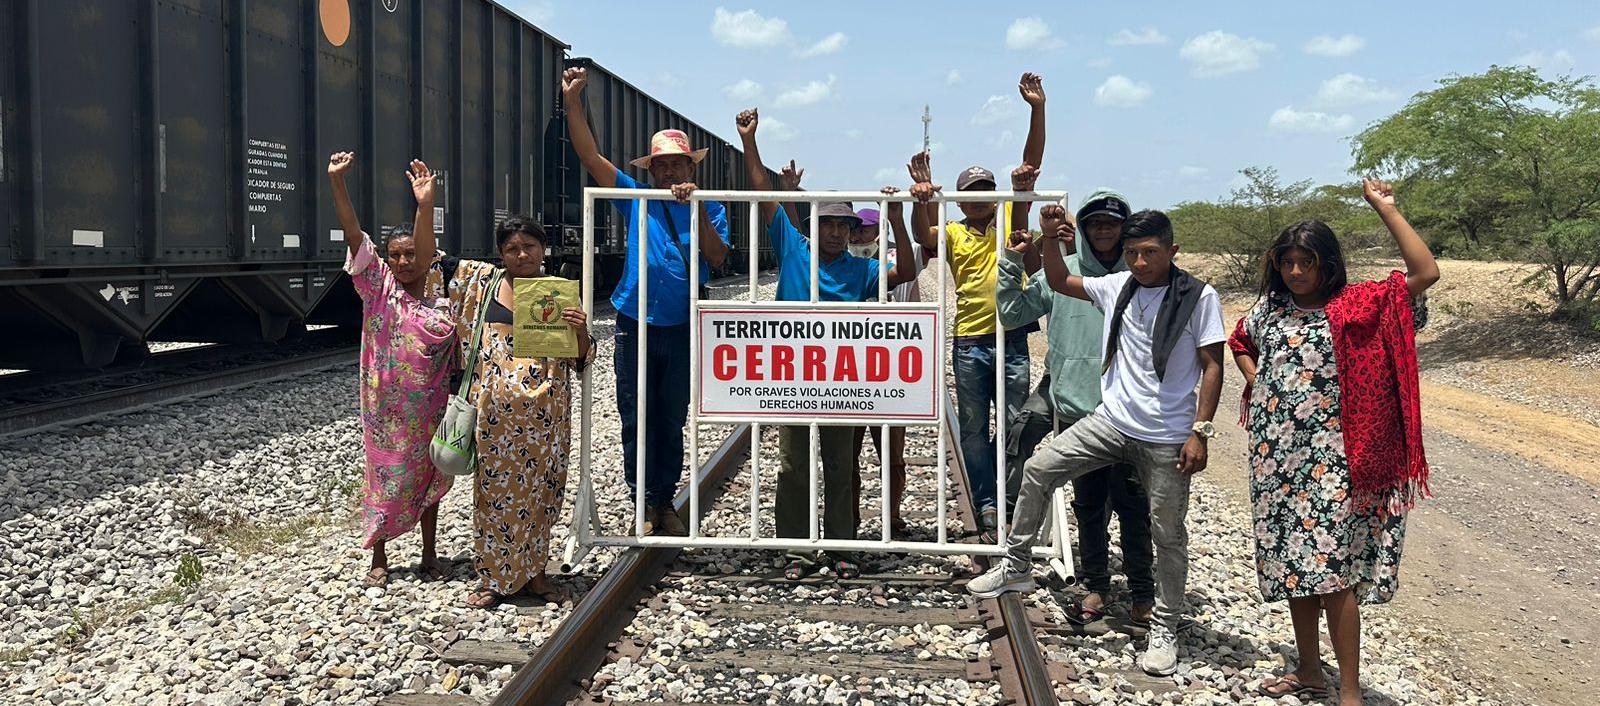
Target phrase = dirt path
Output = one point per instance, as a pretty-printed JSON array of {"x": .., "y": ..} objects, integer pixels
[{"x": 1504, "y": 562}]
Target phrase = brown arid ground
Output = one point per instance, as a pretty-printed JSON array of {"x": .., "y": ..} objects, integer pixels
[{"x": 1503, "y": 563}]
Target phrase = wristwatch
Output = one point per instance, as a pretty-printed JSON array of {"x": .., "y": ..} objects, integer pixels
[{"x": 1206, "y": 430}]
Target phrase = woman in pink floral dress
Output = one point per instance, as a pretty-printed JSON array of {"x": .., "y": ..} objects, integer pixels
[{"x": 406, "y": 337}]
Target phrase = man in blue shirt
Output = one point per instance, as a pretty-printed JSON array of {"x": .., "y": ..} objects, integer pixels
[
  {"x": 671, "y": 164},
  {"x": 840, "y": 277}
]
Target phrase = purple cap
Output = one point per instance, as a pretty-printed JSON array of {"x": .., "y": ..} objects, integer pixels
[{"x": 868, "y": 216}]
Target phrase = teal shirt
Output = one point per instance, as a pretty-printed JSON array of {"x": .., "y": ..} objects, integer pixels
[{"x": 1076, "y": 327}]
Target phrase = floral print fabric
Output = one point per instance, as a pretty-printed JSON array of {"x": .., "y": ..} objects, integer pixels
[
  {"x": 524, "y": 434},
  {"x": 405, "y": 357},
  {"x": 1310, "y": 538}
]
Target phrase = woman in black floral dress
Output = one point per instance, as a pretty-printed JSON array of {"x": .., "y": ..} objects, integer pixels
[{"x": 1330, "y": 519}]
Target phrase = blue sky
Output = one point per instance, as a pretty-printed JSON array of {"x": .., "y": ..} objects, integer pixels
[{"x": 1165, "y": 102}]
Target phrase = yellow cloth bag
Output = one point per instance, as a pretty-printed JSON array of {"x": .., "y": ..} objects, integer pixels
[{"x": 539, "y": 330}]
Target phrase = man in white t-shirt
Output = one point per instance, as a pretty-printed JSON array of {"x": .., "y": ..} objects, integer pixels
[{"x": 1163, "y": 336}]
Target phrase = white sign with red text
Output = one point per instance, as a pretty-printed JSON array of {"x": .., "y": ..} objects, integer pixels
[{"x": 803, "y": 362}]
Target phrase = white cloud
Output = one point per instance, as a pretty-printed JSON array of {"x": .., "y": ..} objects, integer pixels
[
  {"x": 1593, "y": 33},
  {"x": 744, "y": 90},
  {"x": 1560, "y": 59},
  {"x": 1335, "y": 46},
  {"x": 830, "y": 44},
  {"x": 1122, "y": 92},
  {"x": 1287, "y": 119},
  {"x": 1218, "y": 53},
  {"x": 997, "y": 109},
  {"x": 1006, "y": 137},
  {"x": 1349, "y": 89},
  {"x": 811, "y": 93},
  {"x": 952, "y": 78},
  {"x": 748, "y": 30},
  {"x": 1100, "y": 63},
  {"x": 778, "y": 130},
  {"x": 1145, "y": 36},
  {"x": 889, "y": 175},
  {"x": 853, "y": 134},
  {"x": 1030, "y": 33},
  {"x": 1192, "y": 172}
]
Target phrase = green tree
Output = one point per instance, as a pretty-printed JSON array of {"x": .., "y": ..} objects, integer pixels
[{"x": 1505, "y": 151}]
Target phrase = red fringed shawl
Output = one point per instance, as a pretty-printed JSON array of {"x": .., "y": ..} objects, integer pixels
[{"x": 1380, "y": 406}]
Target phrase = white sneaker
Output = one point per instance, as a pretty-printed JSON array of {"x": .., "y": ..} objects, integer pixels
[
  {"x": 1160, "y": 652},
  {"x": 1000, "y": 579}
]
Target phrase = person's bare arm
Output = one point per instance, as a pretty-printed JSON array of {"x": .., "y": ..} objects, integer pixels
[
  {"x": 1023, "y": 178},
  {"x": 1247, "y": 365},
  {"x": 1032, "y": 89},
  {"x": 905, "y": 259},
  {"x": 1058, "y": 229},
  {"x": 789, "y": 180},
  {"x": 601, "y": 169},
  {"x": 923, "y": 188},
  {"x": 756, "y": 170},
  {"x": 338, "y": 165},
  {"x": 1193, "y": 457},
  {"x": 422, "y": 178},
  {"x": 1422, "y": 271}
]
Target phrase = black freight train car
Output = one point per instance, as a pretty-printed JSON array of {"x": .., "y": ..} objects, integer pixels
[{"x": 162, "y": 161}]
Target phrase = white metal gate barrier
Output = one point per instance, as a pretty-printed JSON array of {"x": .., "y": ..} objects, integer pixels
[{"x": 590, "y": 532}]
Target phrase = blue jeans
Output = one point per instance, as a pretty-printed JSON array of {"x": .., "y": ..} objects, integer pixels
[
  {"x": 975, "y": 393},
  {"x": 666, "y": 407}
]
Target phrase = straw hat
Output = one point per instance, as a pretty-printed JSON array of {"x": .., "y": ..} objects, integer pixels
[{"x": 668, "y": 142}]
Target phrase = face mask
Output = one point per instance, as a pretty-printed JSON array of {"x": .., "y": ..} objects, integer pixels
[{"x": 865, "y": 249}]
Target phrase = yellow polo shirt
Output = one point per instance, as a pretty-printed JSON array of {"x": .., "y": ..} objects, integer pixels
[{"x": 973, "y": 265}]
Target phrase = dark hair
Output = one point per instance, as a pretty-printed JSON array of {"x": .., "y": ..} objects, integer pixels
[
  {"x": 1148, "y": 223},
  {"x": 1314, "y": 237},
  {"x": 514, "y": 225},
  {"x": 395, "y": 232}
]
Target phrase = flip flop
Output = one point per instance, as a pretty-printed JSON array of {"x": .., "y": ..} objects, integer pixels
[
  {"x": 846, "y": 569},
  {"x": 432, "y": 571},
  {"x": 796, "y": 570},
  {"x": 483, "y": 598},
  {"x": 377, "y": 577},
  {"x": 549, "y": 595},
  {"x": 1080, "y": 614},
  {"x": 1290, "y": 685}
]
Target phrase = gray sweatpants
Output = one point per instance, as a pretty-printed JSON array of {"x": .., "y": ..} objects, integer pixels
[{"x": 1087, "y": 446}]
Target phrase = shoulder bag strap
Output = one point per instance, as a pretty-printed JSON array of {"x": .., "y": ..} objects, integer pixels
[{"x": 489, "y": 297}]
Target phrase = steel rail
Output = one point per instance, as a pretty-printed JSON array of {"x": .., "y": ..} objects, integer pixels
[
  {"x": 579, "y": 645},
  {"x": 31, "y": 418}
]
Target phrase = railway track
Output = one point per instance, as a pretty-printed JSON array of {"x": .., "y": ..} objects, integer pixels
[
  {"x": 709, "y": 636},
  {"x": 31, "y": 402}
]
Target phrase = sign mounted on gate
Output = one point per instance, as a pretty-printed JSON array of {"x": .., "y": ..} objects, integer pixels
[{"x": 799, "y": 362}]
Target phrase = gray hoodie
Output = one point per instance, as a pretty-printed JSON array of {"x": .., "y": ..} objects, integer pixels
[{"x": 1076, "y": 327}]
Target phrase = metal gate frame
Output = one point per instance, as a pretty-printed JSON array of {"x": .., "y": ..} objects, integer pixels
[{"x": 589, "y": 532}]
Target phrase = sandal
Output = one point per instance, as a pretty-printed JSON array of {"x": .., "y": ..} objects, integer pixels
[
  {"x": 378, "y": 577},
  {"x": 1080, "y": 614},
  {"x": 483, "y": 598},
  {"x": 846, "y": 569},
  {"x": 550, "y": 594},
  {"x": 1133, "y": 616},
  {"x": 432, "y": 571},
  {"x": 1290, "y": 685},
  {"x": 796, "y": 570}
]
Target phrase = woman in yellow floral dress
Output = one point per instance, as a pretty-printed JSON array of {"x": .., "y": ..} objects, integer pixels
[{"x": 524, "y": 421}]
